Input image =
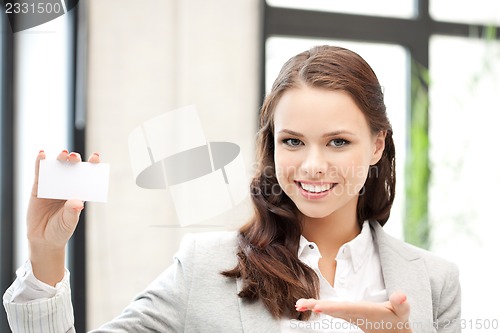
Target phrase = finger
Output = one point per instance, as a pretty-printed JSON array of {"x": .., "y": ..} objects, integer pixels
[
  {"x": 74, "y": 157},
  {"x": 74, "y": 205},
  {"x": 305, "y": 304},
  {"x": 400, "y": 304},
  {"x": 63, "y": 155},
  {"x": 345, "y": 310},
  {"x": 39, "y": 157},
  {"x": 71, "y": 213},
  {"x": 94, "y": 158}
]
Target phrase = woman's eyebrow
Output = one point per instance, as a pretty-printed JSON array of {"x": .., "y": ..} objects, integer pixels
[
  {"x": 287, "y": 131},
  {"x": 339, "y": 132},
  {"x": 329, "y": 134}
]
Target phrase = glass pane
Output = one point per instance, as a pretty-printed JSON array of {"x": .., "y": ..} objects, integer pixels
[
  {"x": 463, "y": 198},
  {"x": 390, "y": 63},
  {"x": 42, "y": 71},
  {"x": 389, "y": 8},
  {"x": 466, "y": 11}
]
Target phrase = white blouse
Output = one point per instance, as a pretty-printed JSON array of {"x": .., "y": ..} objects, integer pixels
[{"x": 358, "y": 277}]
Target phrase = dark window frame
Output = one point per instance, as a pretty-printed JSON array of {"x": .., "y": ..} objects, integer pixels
[
  {"x": 7, "y": 164},
  {"x": 77, "y": 248}
]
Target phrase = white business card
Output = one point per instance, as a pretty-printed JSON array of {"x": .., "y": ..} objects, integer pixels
[{"x": 64, "y": 180}]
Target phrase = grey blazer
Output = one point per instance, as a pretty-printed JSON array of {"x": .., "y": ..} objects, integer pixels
[{"x": 192, "y": 296}]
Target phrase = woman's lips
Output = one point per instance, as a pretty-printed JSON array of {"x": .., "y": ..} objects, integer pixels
[{"x": 316, "y": 190}]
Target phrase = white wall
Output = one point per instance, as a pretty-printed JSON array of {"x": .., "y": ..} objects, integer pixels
[{"x": 144, "y": 61}]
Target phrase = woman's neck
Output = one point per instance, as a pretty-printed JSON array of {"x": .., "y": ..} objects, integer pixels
[{"x": 331, "y": 232}]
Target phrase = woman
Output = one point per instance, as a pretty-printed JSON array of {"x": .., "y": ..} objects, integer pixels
[{"x": 313, "y": 258}]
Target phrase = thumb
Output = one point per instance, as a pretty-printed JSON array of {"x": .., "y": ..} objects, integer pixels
[
  {"x": 71, "y": 213},
  {"x": 400, "y": 304}
]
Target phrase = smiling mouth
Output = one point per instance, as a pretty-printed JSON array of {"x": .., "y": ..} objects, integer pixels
[{"x": 311, "y": 188}]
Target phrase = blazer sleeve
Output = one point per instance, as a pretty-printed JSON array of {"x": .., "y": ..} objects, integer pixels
[
  {"x": 161, "y": 307},
  {"x": 449, "y": 305}
]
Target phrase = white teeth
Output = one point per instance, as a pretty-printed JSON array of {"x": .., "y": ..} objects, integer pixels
[{"x": 316, "y": 188}]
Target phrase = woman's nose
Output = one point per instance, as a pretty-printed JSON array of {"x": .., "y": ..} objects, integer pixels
[{"x": 315, "y": 163}]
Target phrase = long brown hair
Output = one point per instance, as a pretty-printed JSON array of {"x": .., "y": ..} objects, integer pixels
[{"x": 268, "y": 260}]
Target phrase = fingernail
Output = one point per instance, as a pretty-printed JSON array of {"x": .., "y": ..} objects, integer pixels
[
  {"x": 41, "y": 151},
  {"x": 78, "y": 209},
  {"x": 403, "y": 300},
  {"x": 65, "y": 151},
  {"x": 317, "y": 310},
  {"x": 96, "y": 154},
  {"x": 73, "y": 155}
]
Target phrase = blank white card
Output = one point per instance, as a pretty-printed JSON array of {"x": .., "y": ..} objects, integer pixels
[{"x": 64, "y": 180}]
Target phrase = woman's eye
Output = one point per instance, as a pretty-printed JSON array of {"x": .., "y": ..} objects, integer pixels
[
  {"x": 339, "y": 142},
  {"x": 292, "y": 142}
]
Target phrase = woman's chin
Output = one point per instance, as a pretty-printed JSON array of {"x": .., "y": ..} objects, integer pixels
[{"x": 315, "y": 213}]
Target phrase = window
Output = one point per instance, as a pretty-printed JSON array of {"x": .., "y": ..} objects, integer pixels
[
  {"x": 42, "y": 63},
  {"x": 464, "y": 118},
  {"x": 466, "y": 11},
  {"x": 390, "y": 8},
  {"x": 42, "y": 69}
]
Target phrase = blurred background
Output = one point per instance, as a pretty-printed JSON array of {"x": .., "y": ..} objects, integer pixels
[{"x": 84, "y": 80}]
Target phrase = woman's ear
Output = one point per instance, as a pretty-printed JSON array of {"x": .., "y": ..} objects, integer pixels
[{"x": 378, "y": 146}]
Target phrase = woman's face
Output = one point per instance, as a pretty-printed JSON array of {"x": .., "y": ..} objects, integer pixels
[{"x": 323, "y": 149}]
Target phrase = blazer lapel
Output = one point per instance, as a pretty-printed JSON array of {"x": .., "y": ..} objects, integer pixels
[
  {"x": 404, "y": 270},
  {"x": 254, "y": 316}
]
